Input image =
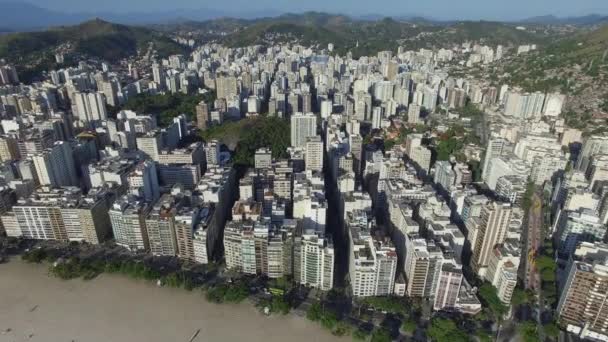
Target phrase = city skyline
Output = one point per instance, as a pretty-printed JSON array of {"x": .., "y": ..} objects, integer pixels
[{"x": 432, "y": 9}]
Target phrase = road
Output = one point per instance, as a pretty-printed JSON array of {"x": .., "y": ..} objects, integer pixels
[
  {"x": 534, "y": 239},
  {"x": 533, "y": 242}
]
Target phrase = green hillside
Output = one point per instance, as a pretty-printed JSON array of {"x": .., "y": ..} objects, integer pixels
[{"x": 33, "y": 52}]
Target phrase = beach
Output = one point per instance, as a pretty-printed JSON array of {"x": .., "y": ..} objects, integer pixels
[{"x": 37, "y": 307}]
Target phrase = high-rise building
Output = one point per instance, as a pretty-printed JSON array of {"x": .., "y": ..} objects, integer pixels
[
  {"x": 150, "y": 144},
  {"x": 254, "y": 247},
  {"x": 448, "y": 286},
  {"x": 582, "y": 308},
  {"x": 158, "y": 75},
  {"x": 62, "y": 214},
  {"x": 496, "y": 147},
  {"x": 413, "y": 114},
  {"x": 573, "y": 227},
  {"x": 303, "y": 126},
  {"x": 90, "y": 107},
  {"x": 55, "y": 166},
  {"x": 143, "y": 181},
  {"x": 128, "y": 218},
  {"x": 416, "y": 266},
  {"x": 373, "y": 263},
  {"x": 202, "y": 115},
  {"x": 212, "y": 153},
  {"x": 316, "y": 267},
  {"x": 593, "y": 145},
  {"x": 8, "y": 149},
  {"x": 314, "y": 154},
  {"x": 226, "y": 87},
  {"x": 524, "y": 106},
  {"x": 160, "y": 225},
  {"x": 502, "y": 270},
  {"x": 444, "y": 175},
  {"x": 492, "y": 230},
  {"x": 263, "y": 158}
]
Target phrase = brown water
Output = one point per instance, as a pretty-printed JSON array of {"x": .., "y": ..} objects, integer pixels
[{"x": 40, "y": 308}]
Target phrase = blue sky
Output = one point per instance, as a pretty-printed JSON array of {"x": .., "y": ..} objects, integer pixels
[{"x": 440, "y": 9}]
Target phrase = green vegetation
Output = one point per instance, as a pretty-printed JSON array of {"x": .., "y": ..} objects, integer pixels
[
  {"x": 36, "y": 256},
  {"x": 546, "y": 266},
  {"x": 381, "y": 335},
  {"x": 521, "y": 297},
  {"x": 363, "y": 37},
  {"x": 31, "y": 51},
  {"x": 409, "y": 326},
  {"x": 488, "y": 295},
  {"x": 551, "y": 329},
  {"x": 528, "y": 331},
  {"x": 471, "y": 111},
  {"x": 270, "y": 132},
  {"x": 360, "y": 335},
  {"x": 527, "y": 200},
  {"x": 278, "y": 304},
  {"x": 445, "y": 330},
  {"x": 329, "y": 320},
  {"x": 167, "y": 106},
  {"x": 228, "y": 293},
  {"x": 577, "y": 120},
  {"x": 250, "y": 134},
  {"x": 453, "y": 141},
  {"x": 75, "y": 267},
  {"x": 393, "y": 305}
]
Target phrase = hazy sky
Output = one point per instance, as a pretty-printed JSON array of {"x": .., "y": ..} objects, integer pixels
[{"x": 440, "y": 9}]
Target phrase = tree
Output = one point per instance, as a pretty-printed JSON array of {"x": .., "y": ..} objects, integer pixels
[
  {"x": 488, "y": 294},
  {"x": 360, "y": 334},
  {"x": 395, "y": 305},
  {"x": 270, "y": 132},
  {"x": 528, "y": 331},
  {"x": 519, "y": 297},
  {"x": 447, "y": 147},
  {"x": 381, "y": 335},
  {"x": 527, "y": 200},
  {"x": 409, "y": 326},
  {"x": 445, "y": 330},
  {"x": 551, "y": 329},
  {"x": 280, "y": 305},
  {"x": 329, "y": 320},
  {"x": 315, "y": 312}
]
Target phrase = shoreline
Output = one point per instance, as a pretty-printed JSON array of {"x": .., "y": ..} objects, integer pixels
[{"x": 36, "y": 306}]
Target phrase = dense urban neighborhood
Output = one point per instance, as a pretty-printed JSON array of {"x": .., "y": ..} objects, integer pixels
[{"x": 426, "y": 189}]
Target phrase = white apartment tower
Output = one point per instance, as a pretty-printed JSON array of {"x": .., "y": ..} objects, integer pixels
[{"x": 303, "y": 126}]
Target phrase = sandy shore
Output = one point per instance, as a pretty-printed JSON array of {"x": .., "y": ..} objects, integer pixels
[{"x": 37, "y": 307}]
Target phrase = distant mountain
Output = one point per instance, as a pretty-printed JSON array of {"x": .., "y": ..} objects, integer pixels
[
  {"x": 360, "y": 36},
  {"x": 588, "y": 20},
  {"x": 33, "y": 52},
  {"x": 96, "y": 38},
  {"x": 20, "y": 16}
]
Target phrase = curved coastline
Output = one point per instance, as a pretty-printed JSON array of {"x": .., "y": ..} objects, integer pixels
[{"x": 37, "y": 307}]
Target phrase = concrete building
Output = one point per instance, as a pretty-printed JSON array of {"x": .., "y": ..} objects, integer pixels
[
  {"x": 373, "y": 262},
  {"x": 263, "y": 158},
  {"x": 55, "y": 166},
  {"x": 491, "y": 231},
  {"x": 63, "y": 214},
  {"x": 128, "y": 217},
  {"x": 303, "y": 126},
  {"x": 314, "y": 154},
  {"x": 143, "y": 181},
  {"x": 581, "y": 308}
]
